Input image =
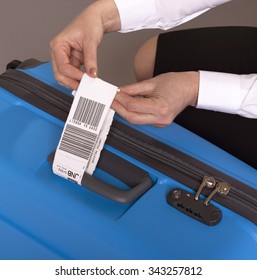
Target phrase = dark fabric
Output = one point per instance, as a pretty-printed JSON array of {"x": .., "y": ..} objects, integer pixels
[{"x": 222, "y": 49}]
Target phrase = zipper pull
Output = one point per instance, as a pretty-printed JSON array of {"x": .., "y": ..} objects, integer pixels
[
  {"x": 221, "y": 188},
  {"x": 208, "y": 182}
]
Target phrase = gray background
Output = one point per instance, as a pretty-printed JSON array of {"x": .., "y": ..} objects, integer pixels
[{"x": 27, "y": 26}]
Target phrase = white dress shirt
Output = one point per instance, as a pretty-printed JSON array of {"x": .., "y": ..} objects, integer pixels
[{"x": 230, "y": 93}]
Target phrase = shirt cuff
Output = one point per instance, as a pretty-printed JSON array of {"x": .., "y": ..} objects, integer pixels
[{"x": 220, "y": 92}]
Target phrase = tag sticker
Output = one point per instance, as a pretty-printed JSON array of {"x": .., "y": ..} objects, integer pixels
[{"x": 85, "y": 130}]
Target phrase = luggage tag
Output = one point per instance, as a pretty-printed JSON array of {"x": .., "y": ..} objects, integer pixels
[{"x": 85, "y": 130}]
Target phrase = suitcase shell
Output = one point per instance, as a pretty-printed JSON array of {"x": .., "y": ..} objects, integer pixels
[{"x": 44, "y": 216}]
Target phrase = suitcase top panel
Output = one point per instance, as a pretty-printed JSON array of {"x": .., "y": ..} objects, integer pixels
[{"x": 53, "y": 218}]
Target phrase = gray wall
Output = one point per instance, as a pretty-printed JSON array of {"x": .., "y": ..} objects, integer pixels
[{"x": 27, "y": 26}]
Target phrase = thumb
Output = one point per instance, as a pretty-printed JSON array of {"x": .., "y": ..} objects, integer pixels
[
  {"x": 142, "y": 88},
  {"x": 90, "y": 59}
]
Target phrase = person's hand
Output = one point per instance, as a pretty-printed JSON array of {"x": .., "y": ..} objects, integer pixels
[
  {"x": 157, "y": 101},
  {"x": 77, "y": 44}
]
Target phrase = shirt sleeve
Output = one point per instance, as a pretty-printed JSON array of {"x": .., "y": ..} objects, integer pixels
[
  {"x": 229, "y": 93},
  {"x": 160, "y": 14}
]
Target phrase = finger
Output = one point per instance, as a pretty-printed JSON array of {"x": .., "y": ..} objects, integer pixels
[
  {"x": 62, "y": 65},
  {"x": 76, "y": 59},
  {"x": 142, "y": 88},
  {"x": 134, "y": 117},
  {"x": 64, "y": 80},
  {"x": 138, "y": 104},
  {"x": 90, "y": 58}
]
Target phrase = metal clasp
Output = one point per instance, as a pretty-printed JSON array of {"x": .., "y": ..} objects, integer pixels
[
  {"x": 208, "y": 182},
  {"x": 221, "y": 188},
  {"x": 218, "y": 187}
]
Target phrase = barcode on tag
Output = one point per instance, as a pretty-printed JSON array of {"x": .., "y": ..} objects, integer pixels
[
  {"x": 89, "y": 112},
  {"x": 77, "y": 141},
  {"x": 85, "y": 130}
]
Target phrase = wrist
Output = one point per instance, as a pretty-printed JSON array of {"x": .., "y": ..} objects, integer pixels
[
  {"x": 108, "y": 13},
  {"x": 193, "y": 87}
]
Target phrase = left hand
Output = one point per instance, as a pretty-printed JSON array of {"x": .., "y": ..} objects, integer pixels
[
  {"x": 157, "y": 101},
  {"x": 77, "y": 44}
]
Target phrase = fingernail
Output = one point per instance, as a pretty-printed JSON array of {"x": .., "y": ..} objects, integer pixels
[{"x": 93, "y": 72}]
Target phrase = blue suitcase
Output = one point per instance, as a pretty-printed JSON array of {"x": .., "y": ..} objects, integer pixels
[{"x": 156, "y": 193}]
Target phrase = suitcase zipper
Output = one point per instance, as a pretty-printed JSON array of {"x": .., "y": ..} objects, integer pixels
[
  {"x": 227, "y": 191},
  {"x": 218, "y": 186},
  {"x": 36, "y": 93}
]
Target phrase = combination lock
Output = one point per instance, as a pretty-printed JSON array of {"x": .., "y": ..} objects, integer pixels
[{"x": 195, "y": 208}]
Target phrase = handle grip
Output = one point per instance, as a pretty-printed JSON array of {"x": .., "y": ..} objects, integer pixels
[
  {"x": 137, "y": 179},
  {"x": 114, "y": 193}
]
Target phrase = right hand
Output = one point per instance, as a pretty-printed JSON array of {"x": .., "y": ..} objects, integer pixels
[
  {"x": 157, "y": 101},
  {"x": 77, "y": 44}
]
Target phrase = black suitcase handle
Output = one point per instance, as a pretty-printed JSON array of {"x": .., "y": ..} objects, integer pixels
[
  {"x": 116, "y": 194},
  {"x": 136, "y": 178}
]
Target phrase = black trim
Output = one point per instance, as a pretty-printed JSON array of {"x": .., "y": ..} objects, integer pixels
[{"x": 44, "y": 97}]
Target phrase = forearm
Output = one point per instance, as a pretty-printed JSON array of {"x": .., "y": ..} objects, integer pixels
[{"x": 229, "y": 93}]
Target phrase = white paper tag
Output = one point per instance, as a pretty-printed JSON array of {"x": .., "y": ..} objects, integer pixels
[{"x": 85, "y": 130}]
